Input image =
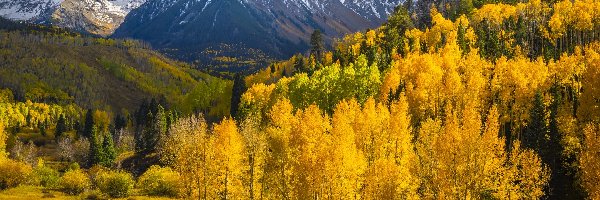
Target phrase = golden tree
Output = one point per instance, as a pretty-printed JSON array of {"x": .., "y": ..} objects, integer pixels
[
  {"x": 278, "y": 164},
  {"x": 588, "y": 161},
  {"x": 228, "y": 161},
  {"x": 3, "y": 138},
  {"x": 347, "y": 165},
  {"x": 256, "y": 151},
  {"x": 309, "y": 145},
  {"x": 187, "y": 150}
]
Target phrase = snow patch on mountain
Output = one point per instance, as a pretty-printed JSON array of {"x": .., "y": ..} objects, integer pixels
[{"x": 25, "y": 10}]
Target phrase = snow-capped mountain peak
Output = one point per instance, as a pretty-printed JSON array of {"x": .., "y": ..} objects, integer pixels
[
  {"x": 95, "y": 16},
  {"x": 26, "y": 9}
]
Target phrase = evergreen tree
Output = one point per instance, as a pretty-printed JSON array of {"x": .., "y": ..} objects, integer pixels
[
  {"x": 110, "y": 154},
  {"x": 317, "y": 46},
  {"x": 159, "y": 129},
  {"x": 89, "y": 124},
  {"x": 42, "y": 128},
  {"x": 298, "y": 62},
  {"x": 141, "y": 119},
  {"x": 145, "y": 131},
  {"x": 562, "y": 181},
  {"x": 462, "y": 40},
  {"x": 394, "y": 29},
  {"x": 141, "y": 113},
  {"x": 239, "y": 87},
  {"x": 535, "y": 134},
  {"x": 120, "y": 122},
  {"x": 97, "y": 155},
  {"x": 61, "y": 127}
]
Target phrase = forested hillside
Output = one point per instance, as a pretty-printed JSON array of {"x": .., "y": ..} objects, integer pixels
[
  {"x": 476, "y": 100},
  {"x": 499, "y": 103},
  {"x": 62, "y": 68}
]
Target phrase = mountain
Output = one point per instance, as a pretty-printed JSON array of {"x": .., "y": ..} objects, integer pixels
[
  {"x": 197, "y": 29},
  {"x": 100, "y": 17}
]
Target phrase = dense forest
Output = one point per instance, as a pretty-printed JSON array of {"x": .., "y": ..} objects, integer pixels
[
  {"x": 59, "y": 67},
  {"x": 447, "y": 100}
]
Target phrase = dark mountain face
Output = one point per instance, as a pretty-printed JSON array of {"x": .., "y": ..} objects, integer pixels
[{"x": 255, "y": 30}]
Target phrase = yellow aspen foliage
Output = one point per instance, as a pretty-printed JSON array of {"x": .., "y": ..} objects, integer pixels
[
  {"x": 424, "y": 145},
  {"x": 590, "y": 97},
  {"x": 381, "y": 181},
  {"x": 348, "y": 164},
  {"x": 583, "y": 18},
  {"x": 463, "y": 159},
  {"x": 309, "y": 145},
  {"x": 278, "y": 184},
  {"x": 527, "y": 176},
  {"x": 187, "y": 150},
  {"x": 372, "y": 130},
  {"x": 588, "y": 161},
  {"x": 328, "y": 60},
  {"x": 102, "y": 119},
  {"x": 371, "y": 37},
  {"x": 257, "y": 99},
  {"x": 424, "y": 86},
  {"x": 474, "y": 71},
  {"x": 441, "y": 28},
  {"x": 394, "y": 176},
  {"x": 568, "y": 69},
  {"x": 561, "y": 18},
  {"x": 255, "y": 147},
  {"x": 3, "y": 137},
  {"x": 516, "y": 81},
  {"x": 494, "y": 13},
  {"x": 401, "y": 133},
  {"x": 414, "y": 40},
  {"x": 228, "y": 161}
]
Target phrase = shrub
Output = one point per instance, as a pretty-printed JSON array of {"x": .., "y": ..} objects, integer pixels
[
  {"x": 13, "y": 173},
  {"x": 159, "y": 181},
  {"x": 74, "y": 182},
  {"x": 73, "y": 166},
  {"x": 95, "y": 195},
  {"x": 46, "y": 176},
  {"x": 115, "y": 184}
]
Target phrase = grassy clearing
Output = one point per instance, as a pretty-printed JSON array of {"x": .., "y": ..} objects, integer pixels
[{"x": 36, "y": 192}]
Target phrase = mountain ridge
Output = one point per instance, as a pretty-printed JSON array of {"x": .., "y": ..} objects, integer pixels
[{"x": 278, "y": 28}]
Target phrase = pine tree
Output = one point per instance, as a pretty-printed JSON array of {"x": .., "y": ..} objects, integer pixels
[
  {"x": 42, "y": 128},
  {"x": 110, "y": 154},
  {"x": 317, "y": 47},
  {"x": 61, "y": 127},
  {"x": 239, "y": 87},
  {"x": 159, "y": 129},
  {"x": 89, "y": 124},
  {"x": 120, "y": 122},
  {"x": 145, "y": 132},
  {"x": 535, "y": 134},
  {"x": 562, "y": 181},
  {"x": 97, "y": 155}
]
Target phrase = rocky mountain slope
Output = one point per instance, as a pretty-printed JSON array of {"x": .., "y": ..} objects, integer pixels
[
  {"x": 212, "y": 32},
  {"x": 99, "y": 17},
  {"x": 277, "y": 28}
]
